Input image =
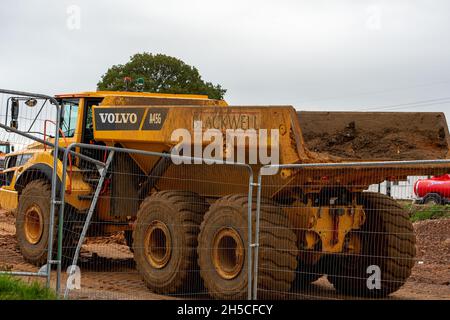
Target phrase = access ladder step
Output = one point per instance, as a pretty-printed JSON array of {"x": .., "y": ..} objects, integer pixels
[{"x": 85, "y": 197}]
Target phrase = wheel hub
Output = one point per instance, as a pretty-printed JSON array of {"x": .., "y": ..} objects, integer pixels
[
  {"x": 34, "y": 224},
  {"x": 228, "y": 253},
  {"x": 158, "y": 244}
]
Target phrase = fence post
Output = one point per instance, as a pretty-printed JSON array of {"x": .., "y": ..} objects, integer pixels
[
  {"x": 249, "y": 226},
  {"x": 53, "y": 201},
  {"x": 256, "y": 245}
]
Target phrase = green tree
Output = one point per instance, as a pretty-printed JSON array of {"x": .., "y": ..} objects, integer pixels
[{"x": 161, "y": 73}]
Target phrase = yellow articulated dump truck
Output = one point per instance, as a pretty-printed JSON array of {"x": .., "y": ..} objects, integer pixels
[{"x": 179, "y": 231}]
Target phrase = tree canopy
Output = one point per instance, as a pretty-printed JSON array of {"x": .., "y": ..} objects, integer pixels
[{"x": 160, "y": 73}]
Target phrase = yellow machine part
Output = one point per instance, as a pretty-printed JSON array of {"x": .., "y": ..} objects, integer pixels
[
  {"x": 8, "y": 199},
  {"x": 327, "y": 224},
  {"x": 75, "y": 185},
  {"x": 154, "y": 128}
]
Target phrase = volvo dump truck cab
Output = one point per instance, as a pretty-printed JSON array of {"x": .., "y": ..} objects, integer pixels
[
  {"x": 180, "y": 228},
  {"x": 27, "y": 173}
]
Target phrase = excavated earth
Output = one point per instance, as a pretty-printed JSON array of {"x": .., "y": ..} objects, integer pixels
[
  {"x": 376, "y": 135},
  {"x": 108, "y": 270}
]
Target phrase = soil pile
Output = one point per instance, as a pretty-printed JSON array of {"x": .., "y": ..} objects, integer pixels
[
  {"x": 433, "y": 251},
  {"x": 376, "y": 135}
]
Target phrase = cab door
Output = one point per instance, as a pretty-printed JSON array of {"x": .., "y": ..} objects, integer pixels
[
  {"x": 76, "y": 121},
  {"x": 88, "y": 127},
  {"x": 71, "y": 120},
  {"x": 88, "y": 130}
]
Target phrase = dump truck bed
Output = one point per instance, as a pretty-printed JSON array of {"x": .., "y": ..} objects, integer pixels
[
  {"x": 305, "y": 137},
  {"x": 312, "y": 136}
]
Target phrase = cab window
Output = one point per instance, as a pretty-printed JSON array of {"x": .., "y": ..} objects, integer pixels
[
  {"x": 69, "y": 117},
  {"x": 21, "y": 160},
  {"x": 4, "y": 148},
  {"x": 17, "y": 160},
  {"x": 10, "y": 162}
]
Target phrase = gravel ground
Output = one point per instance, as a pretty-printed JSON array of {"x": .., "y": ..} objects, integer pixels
[{"x": 108, "y": 270}]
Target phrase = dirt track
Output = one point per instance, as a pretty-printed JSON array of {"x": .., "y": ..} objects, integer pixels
[{"x": 108, "y": 269}]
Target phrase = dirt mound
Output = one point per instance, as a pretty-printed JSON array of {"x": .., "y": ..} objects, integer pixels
[
  {"x": 376, "y": 135},
  {"x": 433, "y": 252},
  {"x": 433, "y": 237}
]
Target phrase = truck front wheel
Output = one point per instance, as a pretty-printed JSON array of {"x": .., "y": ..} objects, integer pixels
[
  {"x": 33, "y": 221},
  {"x": 33, "y": 225}
]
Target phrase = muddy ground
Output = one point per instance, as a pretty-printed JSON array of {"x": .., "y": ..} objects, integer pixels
[{"x": 108, "y": 271}]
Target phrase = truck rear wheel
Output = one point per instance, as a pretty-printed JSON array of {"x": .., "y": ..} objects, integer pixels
[
  {"x": 387, "y": 241},
  {"x": 33, "y": 225},
  {"x": 433, "y": 199},
  {"x": 165, "y": 240},
  {"x": 223, "y": 255}
]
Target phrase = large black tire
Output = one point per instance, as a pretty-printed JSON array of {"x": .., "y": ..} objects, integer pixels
[
  {"x": 224, "y": 269},
  {"x": 433, "y": 199},
  {"x": 34, "y": 210},
  {"x": 165, "y": 240},
  {"x": 387, "y": 241},
  {"x": 33, "y": 221}
]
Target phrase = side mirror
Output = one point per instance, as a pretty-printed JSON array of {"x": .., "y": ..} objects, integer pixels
[
  {"x": 31, "y": 102},
  {"x": 12, "y": 148},
  {"x": 14, "y": 114}
]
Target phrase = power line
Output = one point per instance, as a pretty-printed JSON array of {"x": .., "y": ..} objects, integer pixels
[
  {"x": 379, "y": 91},
  {"x": 415, "y": 104}
]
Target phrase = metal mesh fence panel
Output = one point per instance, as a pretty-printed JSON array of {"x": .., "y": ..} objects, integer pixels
[
  {"x": 334, "y": 231},
  {"x": 26, "y": 121},
  {"x": 35, "y": 116},
  {"x": 158, "y": 230}
]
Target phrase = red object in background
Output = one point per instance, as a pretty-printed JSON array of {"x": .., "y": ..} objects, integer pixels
[{"x": 439, "y": 185}]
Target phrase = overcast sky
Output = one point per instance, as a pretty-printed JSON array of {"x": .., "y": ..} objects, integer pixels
[{"x": 350, "y": 55}]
